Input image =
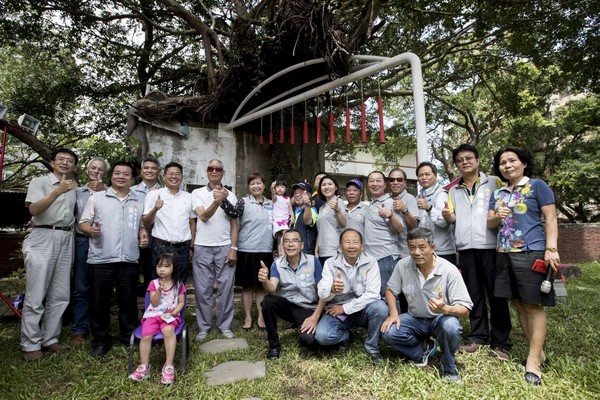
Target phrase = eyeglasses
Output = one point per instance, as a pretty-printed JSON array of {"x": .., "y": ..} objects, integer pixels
[
  {"x": 294, "y": 241},
  {"x": 214, "y": 169},
  {"x": 65, "y": 159},
  {"x": 396, "y": 179},
  {"x": 464, "y": 159}
]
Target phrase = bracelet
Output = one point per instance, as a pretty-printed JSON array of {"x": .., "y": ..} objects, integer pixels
[{"x": 552, "y": 249}]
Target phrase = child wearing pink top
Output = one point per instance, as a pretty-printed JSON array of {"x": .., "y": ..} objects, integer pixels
[{"x": 283, "y": 214}]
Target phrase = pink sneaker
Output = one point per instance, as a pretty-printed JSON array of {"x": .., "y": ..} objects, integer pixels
[
  {"x": 168, "y": 374},
  {"x": 142, "y": 372}
]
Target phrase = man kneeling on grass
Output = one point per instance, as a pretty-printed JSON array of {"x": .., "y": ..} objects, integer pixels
[
  {"x": 351, "y": 284},
  {"x": 295, "y": 274},
  {"x": 436, "y": 295}
]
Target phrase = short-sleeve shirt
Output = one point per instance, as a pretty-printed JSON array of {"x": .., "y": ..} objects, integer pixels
[
  {"x": 522, "y": 230},
  {"x": 380, "y": 239},
  {"x": 168, "y": 299},
  {"x": 445, "y": 278},
  {"x": 355, "y": 218},
  {"x": 329, "y": 230},
  {"x": 61, "y": 212},
  {"x": 172, "y": 221},
  {"x": 217, "y": 230}
]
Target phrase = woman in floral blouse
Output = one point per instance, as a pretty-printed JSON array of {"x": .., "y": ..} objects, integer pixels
[{"x": 516, "y": 209}]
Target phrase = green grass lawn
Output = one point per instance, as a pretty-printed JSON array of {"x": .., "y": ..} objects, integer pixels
[{"x": 572, "y": 345}]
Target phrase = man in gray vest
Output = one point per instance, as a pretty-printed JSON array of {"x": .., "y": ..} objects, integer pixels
[
  {"x": 292, "y": 292},
  {"x": 48, "y": 254},
  {"x": 467, "y": 209},
  {"x": 431, "y": 201},
  {"x": 113, "y": 221}
]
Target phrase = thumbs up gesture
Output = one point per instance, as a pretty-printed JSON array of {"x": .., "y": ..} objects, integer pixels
[
  {"x": 159, "y": 203},
  {"x": 385, "y": 212},
  {"x": 437, "y": 305},
  {"x": 66, "y": 185},
  {"x": 447, "y": 214},
  {"x": 338, "y": 284},
  {"x": 502, "y": 211},
  {"x": 333, "y": 203},
  {"x": 263, "y": 273}
]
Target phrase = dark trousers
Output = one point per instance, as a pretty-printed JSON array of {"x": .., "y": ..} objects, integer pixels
[
  {"x": 478, "y": 268},
  {"x": 146, "y": 267},
  {"x": 449, "y": 257},
  {"x": 276, "y": 306},
  {"x": 104, "y": 278},
  {"x": 183, "y": 258}
]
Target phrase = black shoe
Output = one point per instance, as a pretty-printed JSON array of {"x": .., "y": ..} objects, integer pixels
[
  {"x": 342, "y": 348},
  {"x": 273, "y": 353},
  {"x": 533, "y": 379},
  {"x": 376, "y": 358},
  {"x": 100, "y": 351},
  {"x": 290, "y": 325}
]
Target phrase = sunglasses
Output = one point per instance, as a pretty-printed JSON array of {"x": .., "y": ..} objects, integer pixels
[
  {"x": 214, "y": 169},
  {"x": 396, "y": 179}
]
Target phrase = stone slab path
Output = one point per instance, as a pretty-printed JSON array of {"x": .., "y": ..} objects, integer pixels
[
  {"x": 222, "y": 345},
  {"x": 232, "y": 371}
]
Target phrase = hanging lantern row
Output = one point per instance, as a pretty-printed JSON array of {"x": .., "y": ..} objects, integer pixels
[{"x": 363, "y": 124}]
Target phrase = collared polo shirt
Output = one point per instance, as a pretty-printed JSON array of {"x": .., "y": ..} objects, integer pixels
[
  {"x": 217, "y": 230},
  {"x": 380, "y": 240},
  {"x": 172, "y": 221},
  {"x": 61, "y": 212}
]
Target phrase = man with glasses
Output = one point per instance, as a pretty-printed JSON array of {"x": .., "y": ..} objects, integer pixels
[
  {"x": 291, "y": 287},
  {"x": 169, "y": 211},
  {"x": 48, "y": 255},
  {"x": 405, "y": 203},
  {"x": 351, "y": 287},
  {"x": 215, "y": 252},
  {"x": 476, "y": 244}
]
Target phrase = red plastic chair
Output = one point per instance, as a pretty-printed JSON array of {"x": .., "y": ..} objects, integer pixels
[{"x": 181, "y": 333}]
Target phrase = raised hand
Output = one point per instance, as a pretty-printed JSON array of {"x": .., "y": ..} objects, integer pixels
[
  {"x": 437, "y": 305},
  {"x": 333, "y": 203},
  {"x": 446, "y": 213},
  {"x": 159, "y": 203},
  {"x": 66, "y": 185},
  {"x": 398, "y": 205},
  {"x": 338, "y": 284},
  {"x": 384, "y": 212},
  {"x": 263, "y": 273}
]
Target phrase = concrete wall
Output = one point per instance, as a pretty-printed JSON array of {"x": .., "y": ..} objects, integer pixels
[{"x": 194, "y": 151}]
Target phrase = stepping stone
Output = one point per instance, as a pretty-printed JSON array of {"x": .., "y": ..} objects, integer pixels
[
  {"x": 232, "y": 371},
  {"x": 222, "y": 345}
]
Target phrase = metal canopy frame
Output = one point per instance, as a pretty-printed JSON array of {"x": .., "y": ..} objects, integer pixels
[{"x": 375, "y": 65}]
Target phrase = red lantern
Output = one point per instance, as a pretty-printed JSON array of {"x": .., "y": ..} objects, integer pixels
[
  {"x": 292, "y": 138},
  {"x": 347, "y": 124},
  {"x": 331, "y": 128},
  {"x": 381, "y": 130},
  {"x": 318, "y": 130},
  {"x": 305, "y": 131},
  {"x": 363, "y": 121}
]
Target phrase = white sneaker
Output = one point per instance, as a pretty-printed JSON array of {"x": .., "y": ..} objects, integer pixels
[
  {"x": 227, "y": 334},
  {"x": 201, "y": 335}
]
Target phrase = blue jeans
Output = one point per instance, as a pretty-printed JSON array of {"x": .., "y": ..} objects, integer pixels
[
  {"x": 386, "y": 267},
  {"x": 331, "y": 330},
  {"x": 183, "y": 258},
  {"x": 81, "y": 288},
  {"x": 408, "y": 340}
]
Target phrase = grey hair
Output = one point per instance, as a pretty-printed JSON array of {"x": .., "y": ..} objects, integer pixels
[{"x": 106, "y": 163}]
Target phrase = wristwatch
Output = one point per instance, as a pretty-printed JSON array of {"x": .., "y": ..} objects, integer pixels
[
  {"x": 552, "y": 249},
  {"x": 405, "y": 211},
  {"x": 234, "y": 248}
]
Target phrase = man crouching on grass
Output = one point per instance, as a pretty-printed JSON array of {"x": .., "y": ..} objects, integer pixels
[
  {"x": 295, "y": 275},
  {"x": 436, "y": 296}
]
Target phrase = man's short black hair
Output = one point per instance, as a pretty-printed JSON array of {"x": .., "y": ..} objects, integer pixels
[
  {"x": 464, "y": 147},
  {"x": 420, "y": 233},
  {"x": 173, "y": 164},
  {"x": 126, "y": 164},
  {"x": 64, "y": 150},
  {"x": 428, "y": 164}
]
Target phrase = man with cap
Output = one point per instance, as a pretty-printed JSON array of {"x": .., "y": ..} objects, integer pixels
[
  {"x": 355, "y": 208},
  {"x": 306, "y": 216}
]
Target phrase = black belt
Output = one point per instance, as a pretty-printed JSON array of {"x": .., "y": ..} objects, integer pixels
[
  {"x": 161, "y": 242},
  {"x": 60, "y": 228}
]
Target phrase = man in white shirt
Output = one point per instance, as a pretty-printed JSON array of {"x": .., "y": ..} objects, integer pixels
[
  {"x": 169, "y": 211},
  {"x": 215, "y": 252}
]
